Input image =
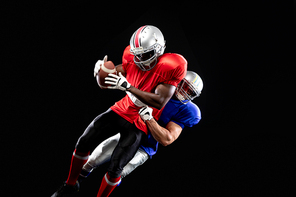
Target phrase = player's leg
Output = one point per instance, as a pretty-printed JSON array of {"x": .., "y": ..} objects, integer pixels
[
  {"x": 140, "y": 157},
  {"x": 127, "y": 147},
  {"x": 103, "y": 153},
  {"x": 95, "y": 133},
  {"x": 99, "y": 156}
]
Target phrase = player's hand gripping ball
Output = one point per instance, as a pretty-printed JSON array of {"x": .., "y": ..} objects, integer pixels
[{"x": 102, "y": 69}]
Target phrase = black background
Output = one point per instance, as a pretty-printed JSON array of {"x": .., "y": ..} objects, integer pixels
[{"x": 243, "y": 145}]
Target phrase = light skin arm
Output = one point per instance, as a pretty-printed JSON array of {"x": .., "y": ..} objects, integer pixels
[
  {"x": 163, "y": 93},
  {"x": 165, "y": 136}
]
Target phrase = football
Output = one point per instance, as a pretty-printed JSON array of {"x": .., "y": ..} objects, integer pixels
[{"x": 106, "y": 68}]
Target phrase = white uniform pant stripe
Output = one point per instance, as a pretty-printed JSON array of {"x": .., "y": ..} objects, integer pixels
[
  {"x": 110, "y": 183},
  {"x": 80, "y": 157}
]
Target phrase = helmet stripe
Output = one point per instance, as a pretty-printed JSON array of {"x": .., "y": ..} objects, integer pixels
[
  {"x": 137, "y": 37},
  {"x": 195, "y": 79}
]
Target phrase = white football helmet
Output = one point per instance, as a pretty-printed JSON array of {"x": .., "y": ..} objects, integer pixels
[
  {"x": 147, "y": 44},
  {"x": 189, "y": 88}
]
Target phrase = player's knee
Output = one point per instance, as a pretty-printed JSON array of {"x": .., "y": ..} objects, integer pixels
[
  {"x": 82, "y": 144},
  {"x": 85, "y": 141},
  {"x": 116, "y": 165},
  {"x": 115, "y": 171}
]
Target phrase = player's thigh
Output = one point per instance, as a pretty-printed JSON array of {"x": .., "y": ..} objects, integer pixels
[
  {"x": 101, "y": 128},
  {"x": 127, "y": 147}
]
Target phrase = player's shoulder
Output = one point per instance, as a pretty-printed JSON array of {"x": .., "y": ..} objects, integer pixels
[
  {"x": 172, "y": 59},
  {"x": 127, "y": 49},
  {"x": 193, "y": 114},
  {"x": 188, "y": 109},
  {"x": 127, "y": 56},
  {"x": 174, "y": 56},
  {"x": 193, "y": 108},
  {"x": 187, "y": 114}
]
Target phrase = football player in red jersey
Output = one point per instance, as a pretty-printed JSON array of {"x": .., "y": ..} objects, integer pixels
[
  {"x": 177, "y": 114},
  {"x": 146, "y": 73}
]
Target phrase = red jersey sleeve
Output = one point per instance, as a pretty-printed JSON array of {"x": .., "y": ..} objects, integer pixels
[
  {"x": 175, "y": 67},
  {"x": 178, "y": 74}
]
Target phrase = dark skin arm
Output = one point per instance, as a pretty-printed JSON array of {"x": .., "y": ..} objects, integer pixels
[{"x": 163, "y": 93}]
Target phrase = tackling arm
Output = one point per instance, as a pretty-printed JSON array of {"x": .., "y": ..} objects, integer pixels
[{"x": 165, "y": 136}]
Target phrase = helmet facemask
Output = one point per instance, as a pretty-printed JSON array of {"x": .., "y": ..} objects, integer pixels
[
  {"x": 186, "y": 91},
  {"x": 147, "y": 59}
]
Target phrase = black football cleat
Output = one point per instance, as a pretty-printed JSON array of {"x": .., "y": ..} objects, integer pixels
[{"x": 66, "y": 189}]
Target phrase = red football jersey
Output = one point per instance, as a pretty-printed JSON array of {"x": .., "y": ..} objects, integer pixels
[{"x": 170, "y": 69}]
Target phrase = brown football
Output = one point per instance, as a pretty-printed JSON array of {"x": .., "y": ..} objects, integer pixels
[{"x": 107, "y": 68}]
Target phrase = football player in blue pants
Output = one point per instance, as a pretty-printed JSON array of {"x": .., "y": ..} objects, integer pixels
[{"x": 178, "y": 113}]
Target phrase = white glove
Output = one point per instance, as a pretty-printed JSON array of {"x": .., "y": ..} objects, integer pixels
[
  {"x": 117, "y": 82},
  {"x": 146, "y": 113},
  {"x": 98, "y": 65}
]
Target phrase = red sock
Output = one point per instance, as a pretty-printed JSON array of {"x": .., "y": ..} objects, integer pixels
[
  {"x": 107, "y": 186},
  {"x": 77, "y": 162}
]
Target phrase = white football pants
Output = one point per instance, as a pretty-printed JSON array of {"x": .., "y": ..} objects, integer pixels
[{"x": 103, "y": 152}]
